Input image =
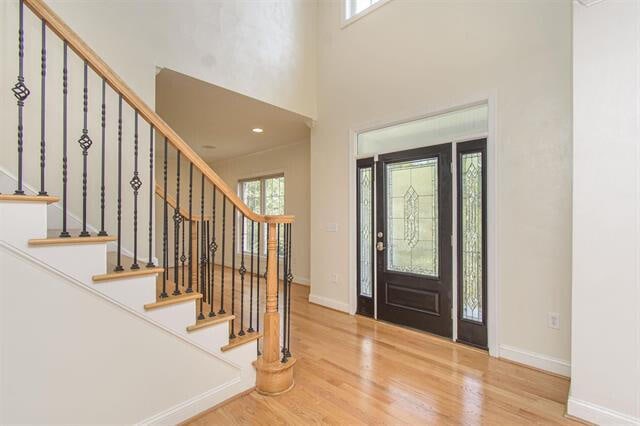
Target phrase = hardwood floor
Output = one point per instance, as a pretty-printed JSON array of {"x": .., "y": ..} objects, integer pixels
[{"x": 353, "y": 370}]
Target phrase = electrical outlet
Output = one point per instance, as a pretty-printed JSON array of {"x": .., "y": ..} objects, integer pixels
[
  {"x": 334, "y": 278},
  {"x": 553, "y": 320}
]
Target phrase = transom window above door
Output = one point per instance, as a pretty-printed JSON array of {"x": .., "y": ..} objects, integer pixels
[{"x": 263, "y": 195}]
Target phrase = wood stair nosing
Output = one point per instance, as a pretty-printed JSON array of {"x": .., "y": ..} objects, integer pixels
[
  {"x": 208, "y": 322},
  {"x": 241, "y": 340},
  {"x": 172, "y": 300},
  {"x": 29, "y": 198},
  {"x": 132, "y": 273},
  {"x": 69, "y": 241}
]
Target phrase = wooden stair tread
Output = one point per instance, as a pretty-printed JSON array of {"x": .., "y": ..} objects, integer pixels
[
  {"x": 29, "y": 198},
  {"x": 127, "y": 274},
  {"x": 172, "y": 300},
  {"x": 208, "y": 322},
  {"x": 70, "y": 240},
  {"x": 241, "y": 340}
]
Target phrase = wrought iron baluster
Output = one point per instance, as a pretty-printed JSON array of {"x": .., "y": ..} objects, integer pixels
[
  {"x": 177, "y": 221},
  {"x": 233, "y": 272},
  {"x": 213, "y": 248},
  {"x": 165, "y": 225},
  {"x": 203, "y": 257},
  {"x": 224, "y": 249},
  {"x": 258, "y": 291},
  {"x": 284, "y": 296},
  {"x": 190, "y": 287},
  {"x": 65, "y": 160},
  {"x": 43, "y": 75},
  {"x": 198, "y": 282},
  {"x": 278, "y": 269},
  {"x": 136, "y": 184},
  {"x": 85, "y": 143},
  {"x": 242, "y": 271},
  {"x": 250, "y": 329},
  {"x": 289, "y": 281},
  {"x": 151, "y": 192},
  {"x": 207, "y": 252},
  {"x": 21, "y": 93},
  {"x": 103, "y": 124},
  {"x": 119, "y": 202},
  {"x": 183, "y": 258}
]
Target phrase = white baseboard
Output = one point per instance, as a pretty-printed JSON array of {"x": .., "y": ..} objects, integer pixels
[
  {"x": 196, "y": 405},
  {"x": 302, "y": 280},
  {"x": 329, "y": 303},
  {"x": 599, "y": 415},
  {"x": 543, "y": 362}
]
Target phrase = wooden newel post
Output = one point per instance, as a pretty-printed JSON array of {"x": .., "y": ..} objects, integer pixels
[{"x": 273, "y": 377}]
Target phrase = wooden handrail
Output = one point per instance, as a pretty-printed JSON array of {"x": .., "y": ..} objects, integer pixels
[
  {"x": 55, "y": 24},
  {"x": 183, "y": 212}
]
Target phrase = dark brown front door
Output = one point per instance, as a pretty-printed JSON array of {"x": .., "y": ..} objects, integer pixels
[{"x": 413, "y": 239}]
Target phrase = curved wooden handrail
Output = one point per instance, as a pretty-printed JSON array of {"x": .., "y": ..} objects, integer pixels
[{"x": 55, "y": 24}]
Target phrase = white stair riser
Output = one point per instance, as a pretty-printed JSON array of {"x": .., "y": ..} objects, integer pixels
[
  {"x": 133, "y": 292},
  {"x": 175, "y": 317},
  {"x": 80, "y": 261},
  {"x": 21, "y": 221},
  {"x": 215, "y": 333}
]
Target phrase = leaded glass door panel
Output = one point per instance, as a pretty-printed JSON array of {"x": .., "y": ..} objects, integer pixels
[
  {"x": 413, "y": 242},
  {"x": 366, "y": 231}
]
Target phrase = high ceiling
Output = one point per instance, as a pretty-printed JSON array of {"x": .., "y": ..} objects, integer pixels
[{"x": 207, "y": 116}]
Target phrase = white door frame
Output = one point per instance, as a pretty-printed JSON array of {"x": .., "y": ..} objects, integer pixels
[{"x": 493, "y": 301}]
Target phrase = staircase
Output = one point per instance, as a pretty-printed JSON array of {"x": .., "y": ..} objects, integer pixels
[{"x": 225, "y": 270}]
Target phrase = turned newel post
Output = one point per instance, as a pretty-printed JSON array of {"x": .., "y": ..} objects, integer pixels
[{"x": 273, "y": 377}]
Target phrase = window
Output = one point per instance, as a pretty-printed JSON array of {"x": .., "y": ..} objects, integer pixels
[
  {"x": 264, "y": 195},
  {"x": 353, "y": 9}
]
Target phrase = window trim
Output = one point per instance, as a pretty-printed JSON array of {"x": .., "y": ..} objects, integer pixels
[
  {"x": 350, "y": 20},
  {"x": 260, "y": 178}
]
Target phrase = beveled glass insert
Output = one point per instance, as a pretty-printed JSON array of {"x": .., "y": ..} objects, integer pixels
[
  {"x": 412, "y": 216},
  {"x": 471, "y": 216},
  {"x": 366, "y": 235}
]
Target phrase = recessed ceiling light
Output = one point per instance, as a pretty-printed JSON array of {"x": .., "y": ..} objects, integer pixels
[{"x": 257, "y": 130}]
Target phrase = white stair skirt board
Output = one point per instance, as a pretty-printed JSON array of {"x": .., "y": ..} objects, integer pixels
[
  {"x": 542, "y": 362},
  {"x": 329, "y": 303},
  {"x": 93, "y": 331},
  {"x": 597, "y": 414}
]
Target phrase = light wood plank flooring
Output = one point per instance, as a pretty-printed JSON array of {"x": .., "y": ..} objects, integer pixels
[{"x": 353, "y": 370}]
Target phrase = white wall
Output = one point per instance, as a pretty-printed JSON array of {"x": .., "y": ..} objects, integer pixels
[
  {"x": 72, "y": 357},
  {"x": 414, "y": 57},
  {"x": 293, "y": 161},
  {"x": 605, "y": 344}
]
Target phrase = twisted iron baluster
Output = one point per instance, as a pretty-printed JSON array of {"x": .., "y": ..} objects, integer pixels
[
  {"x": 165, "y": 225},
  {"x": 183, "y": 258},
  {"x": 119, "y": 202},
  {"x": 250, "y": 329},
  {"x": 103, "y": 124},
  {"x": 223, "y": 267},
  {"x": 213, "y": 248},
  {"x": 289, "y": 281},
  {"x": 190, "y": 287},
  {"x": 284, "y": 298},
  {"x": 65, "y": 91},
  {"x": 85, "y": 143},
  {"x": 177, "y": 221},
  {"x": 150, "y": 260},
  {"x": 278, "y": 269},
  {"x": 207, "y": 250},
  {"x": 136, "y": 184},
  {"x": 21, "y": 93},
  {"x": 203, "y": 251},
  {"x": 43, "y": 75},
  {"x": 233, "y": 273},
  {"x": 242, "y": 271}
]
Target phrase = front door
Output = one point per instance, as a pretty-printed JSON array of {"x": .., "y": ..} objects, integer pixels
[{"x": 413, "y": 238}]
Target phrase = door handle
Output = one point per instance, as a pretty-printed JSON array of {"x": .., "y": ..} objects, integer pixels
[{"x": 380, "y": 246}]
